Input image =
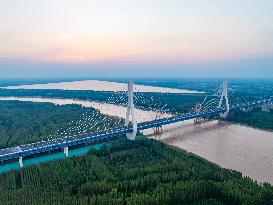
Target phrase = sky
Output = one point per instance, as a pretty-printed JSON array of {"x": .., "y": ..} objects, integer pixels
[{"x": 140, "y": 38}]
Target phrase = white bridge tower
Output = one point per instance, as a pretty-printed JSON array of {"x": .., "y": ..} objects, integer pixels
[
  {"x": 131, "y": 112},
  {"x": 21, "y": 162},
  {"x": 224, "y": 95}
]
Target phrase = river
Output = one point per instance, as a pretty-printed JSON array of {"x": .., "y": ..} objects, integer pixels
[
  {"x": 99, "y": 85},
  {"x": 232, "y": 146}
]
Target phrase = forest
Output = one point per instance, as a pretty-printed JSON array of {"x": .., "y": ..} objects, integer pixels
[
  {"x": 144, "y": 171},
  {"x": 27, "y": 122},
  {"x": 256, "y": 118}
]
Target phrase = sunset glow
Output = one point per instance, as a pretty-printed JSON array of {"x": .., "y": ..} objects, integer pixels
[{"x": 174, "y": 32}]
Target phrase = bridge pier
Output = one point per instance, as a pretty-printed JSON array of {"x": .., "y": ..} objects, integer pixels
[
  {"x": 21, "y": 162},
  {"x": 131, "y": 112},
  {"x": 158, "y": 130},
  {"x": 66, "y": 151},
  {"x": 196, "y": 121}
]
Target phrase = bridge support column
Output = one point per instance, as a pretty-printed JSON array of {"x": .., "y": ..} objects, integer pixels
[
  {"x": 158, "y": 130},
  {"x": 224, "y": 96},
  {"x": 21, "y": 162},
  {"x": 66, "y": 151},
  {"x": 131, "y": 112}
]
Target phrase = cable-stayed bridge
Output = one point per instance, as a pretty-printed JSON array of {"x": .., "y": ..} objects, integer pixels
[{"x": 130, "y": 129}]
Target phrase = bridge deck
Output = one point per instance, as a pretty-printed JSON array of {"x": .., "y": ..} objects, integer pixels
[{"x": 59, "y": 143}]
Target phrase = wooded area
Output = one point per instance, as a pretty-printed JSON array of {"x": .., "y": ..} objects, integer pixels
[
  {"x": 256, "y": 118},
  {"x": 27, "y": 122},
  {"x": 132, "y": 172}
]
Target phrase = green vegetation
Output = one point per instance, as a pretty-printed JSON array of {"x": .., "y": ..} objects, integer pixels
[
  {"x": 255, "y": 118},
  {"x": 131, "y": 172},
  {"x": 26, "y": 122}
]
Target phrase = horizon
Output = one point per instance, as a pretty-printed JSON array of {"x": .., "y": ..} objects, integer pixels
[
  {"x": 102, "y": 39},
  {"x": 137, "y": 78}
]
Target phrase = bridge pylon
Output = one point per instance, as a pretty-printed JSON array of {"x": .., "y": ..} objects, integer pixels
[
  {"x": 131, "y": 112},
  {"x": 66, "y": 151},
  {"x": 224, "y": 95},
  {"x": 21, "y": 162},
  {"x": 158, "y": 129}
]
